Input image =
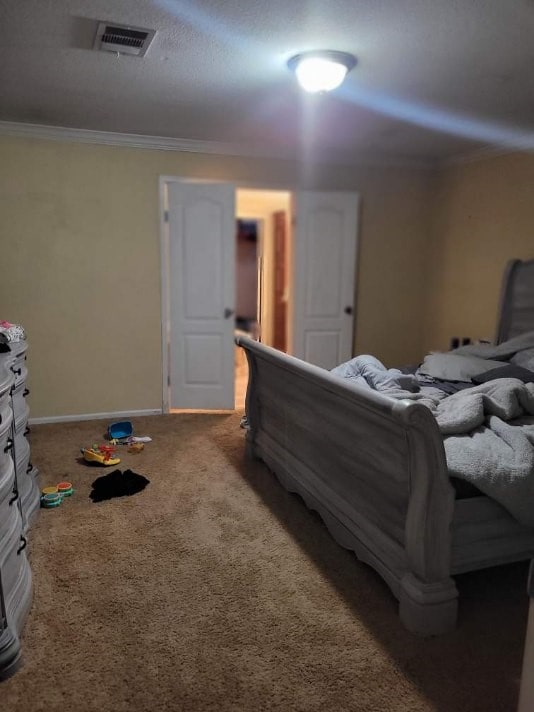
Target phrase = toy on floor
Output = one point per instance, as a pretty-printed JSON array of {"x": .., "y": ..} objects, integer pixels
[
  {"x": 49, "y": 490},
  {"x": 65, "y": 489},
  {"x": 135, "y": 447},
  {"x": 53, "y": 496},
  {"x": 120, "y": 431},
  {"x": 48, "y": 501},
  {"x": 100, "y": 455}
]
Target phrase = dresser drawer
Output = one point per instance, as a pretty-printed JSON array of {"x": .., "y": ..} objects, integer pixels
[
  {"x": 24, "y": 475},
  {"x": 10, "y": 515},
  {"x": 22, "y": 452},
  {"x": 7, "y": 485},
  {"x": 20, "y": 407},
  {"x": 6, "y": 416},
  {"x": 12, "y": 557},
  {"x": 17, "y": 361},
  {"x": 21, "y": 442},
  {"x": 6, "y": 440},
  {"x": 6, "y": 379}
]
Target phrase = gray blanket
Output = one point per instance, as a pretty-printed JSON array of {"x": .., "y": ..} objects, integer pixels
[
  {"x": 489, "y": 441},
  {"x": 463, "y": 412},
  {"x": 488, "y": 430},
  {"x": 368, "y": 372},
  {"x": 488, "y": 434}
]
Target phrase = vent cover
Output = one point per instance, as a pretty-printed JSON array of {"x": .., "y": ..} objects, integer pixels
[{"x": 123, "y": 39}]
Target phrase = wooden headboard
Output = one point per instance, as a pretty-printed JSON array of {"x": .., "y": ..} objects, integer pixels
[{"x": 516, "y": 308}]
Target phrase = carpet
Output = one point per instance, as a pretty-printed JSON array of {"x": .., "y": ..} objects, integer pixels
[{"x": 214, "y": 589}]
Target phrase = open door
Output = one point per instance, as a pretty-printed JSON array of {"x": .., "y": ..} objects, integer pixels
[
  {"x": 201, "y": 294},
  {"x": 324, "y": 270}
]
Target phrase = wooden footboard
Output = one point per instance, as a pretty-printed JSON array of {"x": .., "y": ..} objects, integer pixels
[{"x": 373, "y": 467}]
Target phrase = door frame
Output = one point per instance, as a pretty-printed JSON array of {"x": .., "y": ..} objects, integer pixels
[
  {"x": 164, "y": 261},
  {"x": 164, "y": 244}
]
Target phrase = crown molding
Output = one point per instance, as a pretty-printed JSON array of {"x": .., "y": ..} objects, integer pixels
[
  {"x": 485, "y": 153},
  {"x": 111, "y": 138},
  {"x": 162, "y": 143}
]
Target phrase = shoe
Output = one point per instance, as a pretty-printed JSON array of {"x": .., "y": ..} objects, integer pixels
[{"x": 102, "y": 455}]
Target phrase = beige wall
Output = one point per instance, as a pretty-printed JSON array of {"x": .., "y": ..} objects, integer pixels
[
  {"x": 483, "y": 216},
  {"x": 80, "y": 262}
]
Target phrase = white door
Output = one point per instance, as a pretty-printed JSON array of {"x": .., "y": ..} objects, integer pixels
[
  {"x": 324, "y": 269},
  {"x": 201, "y": 294}
]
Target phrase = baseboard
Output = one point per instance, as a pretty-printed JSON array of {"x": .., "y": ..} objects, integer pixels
[{"x": 94, "y": 416}]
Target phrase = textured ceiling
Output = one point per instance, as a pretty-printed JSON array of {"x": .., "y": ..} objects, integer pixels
[{"x": 435, "y": 78}]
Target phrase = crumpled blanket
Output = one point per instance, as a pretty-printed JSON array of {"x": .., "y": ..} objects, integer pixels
[
  {"x": 463, "y": 412},
  {"x": 489, "y": 441},
  {"x": 498, "y": 458},
  {"x": 369, "y": 372},
  {"x": 488, "y": 430}
]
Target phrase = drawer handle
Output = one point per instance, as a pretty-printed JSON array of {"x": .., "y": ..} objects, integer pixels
[
  {"x": 26, "y": 392},
  {"x": 29, "y": 468},
  {"x": 16, "y": 371},
  {"x": 15, "y": 497},
  {"x": 9, "y": 445},
  {"x": 28, "y": 430},
  {"x": 23, "y": 545}
]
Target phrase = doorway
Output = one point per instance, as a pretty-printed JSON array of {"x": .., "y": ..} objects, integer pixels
[
  {"x": 314, "y": 303},
  {"x": 262, "y": 273}
]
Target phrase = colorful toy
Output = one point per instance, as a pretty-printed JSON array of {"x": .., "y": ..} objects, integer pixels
[
  {"x": 100, "y": 455},
  {"x": 53, "y": 499},
  {"x": 120, "y": 431},
  {"x": 53, "y": 495},
  {"x": 136, "y": 447},
  {"x": 49, "y": 490},
  {"x": 65, "y": 489}
]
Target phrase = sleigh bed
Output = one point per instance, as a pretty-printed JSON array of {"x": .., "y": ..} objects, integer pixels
[{"x": 376, "y": 471}]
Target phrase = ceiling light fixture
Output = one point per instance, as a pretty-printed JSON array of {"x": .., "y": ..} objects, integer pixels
[{"x": 321, "y": 70}]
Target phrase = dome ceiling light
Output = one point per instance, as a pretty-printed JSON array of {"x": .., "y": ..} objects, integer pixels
[{"x": 321, "y": 70}]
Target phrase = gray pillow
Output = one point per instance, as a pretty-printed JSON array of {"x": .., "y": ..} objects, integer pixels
[{"x": 455, "y": 367}]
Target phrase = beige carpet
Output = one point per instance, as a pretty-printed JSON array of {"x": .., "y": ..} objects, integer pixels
[{"x": 214, "y": 589}]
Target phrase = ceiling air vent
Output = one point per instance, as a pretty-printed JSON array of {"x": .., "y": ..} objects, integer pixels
[{"x": 123, "y": 39}]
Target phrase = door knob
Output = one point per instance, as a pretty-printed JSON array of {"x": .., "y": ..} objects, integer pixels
[
  {"x": 348, "y": 310},
  {"x": 228, "y": 313}
]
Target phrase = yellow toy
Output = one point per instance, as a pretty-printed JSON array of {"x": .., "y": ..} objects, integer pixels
[{"x": 100, "y": 455}]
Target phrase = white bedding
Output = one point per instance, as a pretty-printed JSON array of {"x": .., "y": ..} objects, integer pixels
[
  {"x": 488, "y": 429},
  {"x": 489, "y": 441}
]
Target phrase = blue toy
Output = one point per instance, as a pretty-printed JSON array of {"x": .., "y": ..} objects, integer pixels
[{"x": 120, "y": 431}]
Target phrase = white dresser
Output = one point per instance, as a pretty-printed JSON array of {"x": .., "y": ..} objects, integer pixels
[{"x": 19, "y": 503}]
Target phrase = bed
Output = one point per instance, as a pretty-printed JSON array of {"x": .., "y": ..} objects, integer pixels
[{"x": 375, "y": 469}]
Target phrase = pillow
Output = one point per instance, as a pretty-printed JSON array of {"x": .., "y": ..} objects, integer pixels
[
  {"x": 455, "y": 367},
  {"x": 508, "y": 371}
]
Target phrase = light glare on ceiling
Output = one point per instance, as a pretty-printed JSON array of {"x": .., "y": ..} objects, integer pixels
[{"x": 322, "y": 70}]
